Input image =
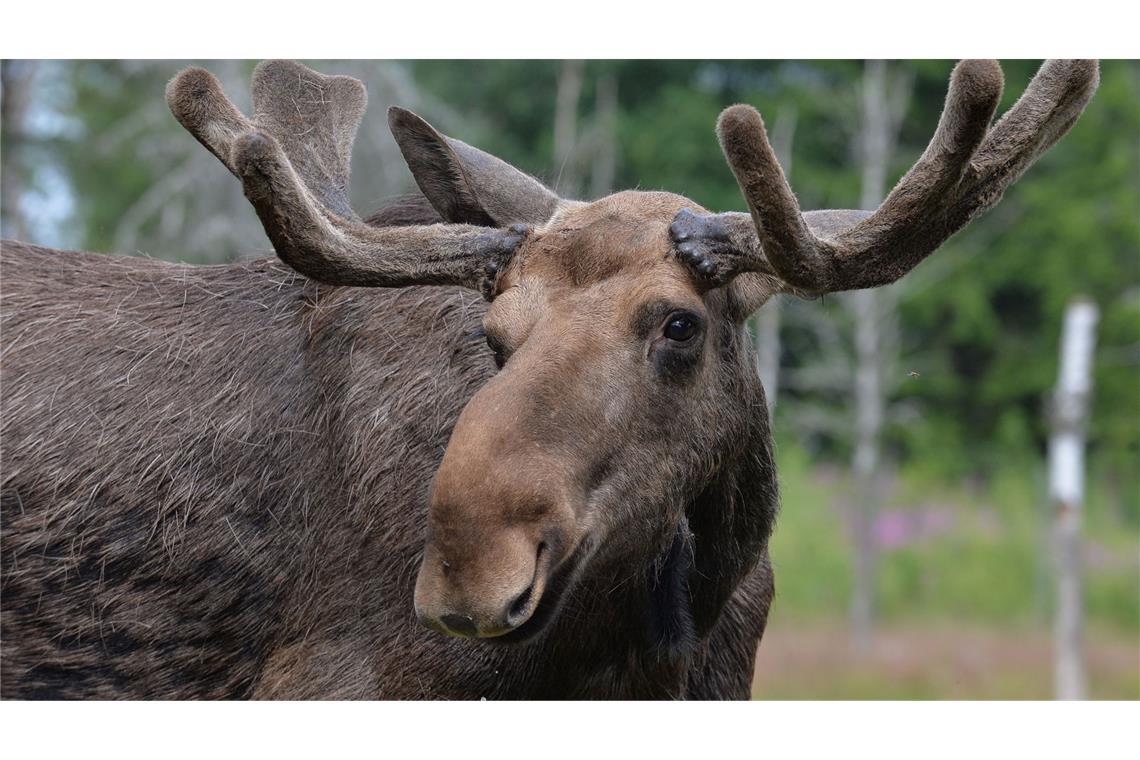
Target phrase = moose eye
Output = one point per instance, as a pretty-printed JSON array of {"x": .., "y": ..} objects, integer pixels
[{"x": 681, "y": 327}]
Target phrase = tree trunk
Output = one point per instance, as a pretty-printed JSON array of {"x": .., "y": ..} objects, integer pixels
[
  {"x": 605, "y": 137},
  {"x": 883, "y": 106},
  {"x": 566, "y": 128},
  {"x": 868, "y": 399},
  {"x": 1066, "y": 491},
  {"x": 15, "y": 93}
]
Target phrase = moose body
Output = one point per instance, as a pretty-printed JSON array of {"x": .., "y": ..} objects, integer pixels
[
  {"x": 272, "y": 479},
  {"x": 215, "y": 485}
]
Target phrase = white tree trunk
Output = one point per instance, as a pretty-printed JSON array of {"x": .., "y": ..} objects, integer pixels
[
  {"x": 1067, "y": 488},
  {"x": 883, "y": 105},
  {"x": 868, "y": 398}
]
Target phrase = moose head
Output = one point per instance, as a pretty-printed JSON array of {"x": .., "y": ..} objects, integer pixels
[{"x": 626, "y": 389}]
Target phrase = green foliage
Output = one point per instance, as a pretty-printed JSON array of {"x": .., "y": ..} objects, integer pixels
[
  {"x": 987, "y": 335},
  {"x": 986, "y": 563},
  {"x": 811, "y": 554},
  {"x": 508, "y": 105},
  {"x": 107, "y": 164}
]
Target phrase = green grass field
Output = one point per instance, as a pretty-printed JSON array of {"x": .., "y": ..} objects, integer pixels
[{"x": 964, "y": 591}]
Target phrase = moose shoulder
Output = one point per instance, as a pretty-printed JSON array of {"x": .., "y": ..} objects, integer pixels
[{"x": 275, "y": 479}]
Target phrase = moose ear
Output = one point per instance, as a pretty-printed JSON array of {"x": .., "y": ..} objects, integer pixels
[{"x": 464, "y": 184}]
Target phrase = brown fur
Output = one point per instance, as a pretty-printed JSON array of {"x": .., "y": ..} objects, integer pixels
[
  {"x": 214, "y": 486},
  {"x": 592, "y": 445},
  {"x": 465, "y": 184}
]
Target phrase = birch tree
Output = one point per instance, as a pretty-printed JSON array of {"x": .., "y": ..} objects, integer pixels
[
  {"x": 1067, "y": 489},
  {"x": 884, "y": 100}
]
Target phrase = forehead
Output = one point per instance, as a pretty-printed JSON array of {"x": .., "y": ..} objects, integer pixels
[{"x": 623, "y": 234}]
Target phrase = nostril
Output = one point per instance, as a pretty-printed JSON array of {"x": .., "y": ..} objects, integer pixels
[
  {"x": 461, "y": 624},
  {"x": 519, "y": 605},
  {"x": 517, "y": 612}
]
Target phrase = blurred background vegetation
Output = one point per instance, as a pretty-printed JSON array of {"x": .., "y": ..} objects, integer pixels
[{"x": 952, "y": 518}]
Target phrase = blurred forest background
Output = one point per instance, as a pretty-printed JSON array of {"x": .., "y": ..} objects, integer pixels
[{"x": 914, "y": 554}]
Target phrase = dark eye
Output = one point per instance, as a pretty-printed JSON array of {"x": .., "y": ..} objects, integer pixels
[{"x": 680, "y": 327}]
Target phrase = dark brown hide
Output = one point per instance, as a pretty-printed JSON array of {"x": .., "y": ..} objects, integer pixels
[{"x": 215, "y": 484}]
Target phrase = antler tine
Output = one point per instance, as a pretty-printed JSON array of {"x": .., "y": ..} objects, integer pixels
[
  {"x": 293, "y": 161},
  {"x": 909, "y": 224},
  {"x": 962, "y": 172},
  {"x": 1046, "y": 110},
  {"x": 312, "y": 116},
  {"x": 196, "y": 99},
  {"x": 790, "y": 247}
]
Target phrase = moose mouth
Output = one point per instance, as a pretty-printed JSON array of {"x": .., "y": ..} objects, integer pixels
[{"x": 557, "y": 589}]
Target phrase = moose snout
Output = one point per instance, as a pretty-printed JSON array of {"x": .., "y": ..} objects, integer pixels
[
  {"x": 502, "y": 516},
  {"x": 479, "y": 599}
]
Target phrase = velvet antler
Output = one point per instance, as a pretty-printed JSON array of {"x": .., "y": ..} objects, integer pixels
[
  {"x": 963, "y": 172},
  {"x": 293, "y": 158}
]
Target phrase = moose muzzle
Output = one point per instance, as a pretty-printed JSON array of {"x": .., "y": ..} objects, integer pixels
[
  {"x": 500, "y": 522},
  {"x": 487, "y": 596}
]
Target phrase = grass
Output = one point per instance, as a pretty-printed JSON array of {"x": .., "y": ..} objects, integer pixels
[
  {"x": 964, "y": 591},
  {"x": 948, "y": 660}
]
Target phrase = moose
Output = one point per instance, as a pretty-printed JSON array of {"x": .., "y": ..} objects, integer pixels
[{"x": 486, "y": 442}]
